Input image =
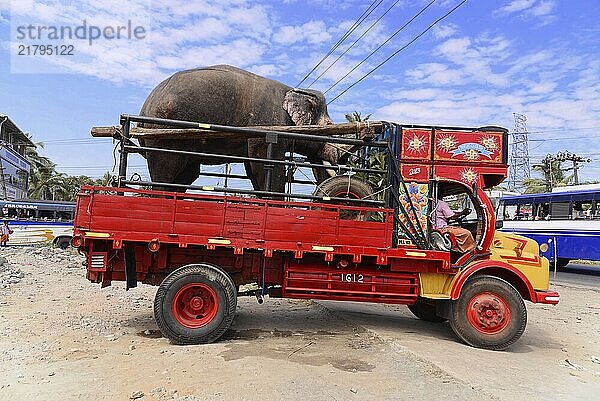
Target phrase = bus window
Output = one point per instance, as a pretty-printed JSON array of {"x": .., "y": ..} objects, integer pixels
[
  {"x": 510, "y": 212},
  {"x": 560, "y": 210},
  {"x": 64, "y": 216},
  {"x": 46, "y": 214},
  {"x": 499, "y": 211},
  {"x": 541, "y": 211},
  {"x": 525, "y": 212},
  {"x": 582, "y": 210},
  {"x": 596, "y": 214}
]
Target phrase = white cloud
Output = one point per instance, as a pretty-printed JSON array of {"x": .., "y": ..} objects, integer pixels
[
  {"x": 314, "y": 32},
  {"x": 180, "y": 34},
  {"x": 444, "y": 31},
  {"x": 517, "y": 5},
  {"x": 543, "y": 10},
  {"x": 575, "y": 103},
  {"x": 265, "y": 70}
]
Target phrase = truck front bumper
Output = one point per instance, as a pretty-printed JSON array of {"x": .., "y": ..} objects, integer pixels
[{"x": 546, "y": 297}]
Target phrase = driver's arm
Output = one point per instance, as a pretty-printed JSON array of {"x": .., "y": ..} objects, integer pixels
[{"x": 458, "y": 215}]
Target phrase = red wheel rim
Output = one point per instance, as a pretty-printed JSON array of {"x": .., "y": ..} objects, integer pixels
[
  {"x": 488, "y": 313},
  {"x": 195, "y": 305},
  {"x": 346, "y": 194}
]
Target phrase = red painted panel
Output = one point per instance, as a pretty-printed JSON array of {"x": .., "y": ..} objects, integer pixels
[
  {"x": 416, "y": 145},
  {"x": 416, "y": 172},
  {"x": 473, "y": 147},
  {"x": 322, "y": 282}
]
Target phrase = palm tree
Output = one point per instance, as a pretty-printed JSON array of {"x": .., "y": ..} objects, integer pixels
[
  {"x": 356, "y": 117},
  {"x": 71, "y": 186},
  {"x": 106, "y": 180},
  {"x": 46, "y": 183},
  {"x": 552, "y": 176}
]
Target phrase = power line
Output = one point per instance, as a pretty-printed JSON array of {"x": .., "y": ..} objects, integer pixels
[
  {"x": 560, "y": 130},
  {"x": 399, "y": 50},
  {"x": 356, "y": 24},
  {"x": 355, "y": 42},
  {"x": 381, "y": 45}
]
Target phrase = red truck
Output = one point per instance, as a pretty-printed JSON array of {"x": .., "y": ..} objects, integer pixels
[{"x": 200, "y": 248}]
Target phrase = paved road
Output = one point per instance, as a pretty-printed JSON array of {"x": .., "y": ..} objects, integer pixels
[
  {"x": 556, "y": 358},
  {"x": 584, "y": 275}
]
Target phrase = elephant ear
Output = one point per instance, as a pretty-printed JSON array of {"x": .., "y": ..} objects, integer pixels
[{"x": 302, "y": 106}]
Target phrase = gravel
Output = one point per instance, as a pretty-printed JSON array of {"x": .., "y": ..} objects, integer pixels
[{"x": 13, "y": 270}]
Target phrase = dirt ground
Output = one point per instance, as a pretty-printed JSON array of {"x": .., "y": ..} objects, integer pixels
[{"x": 63, "y": 338}]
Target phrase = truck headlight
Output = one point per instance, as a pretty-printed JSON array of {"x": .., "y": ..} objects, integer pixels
[{"x": 544, "y": 247}]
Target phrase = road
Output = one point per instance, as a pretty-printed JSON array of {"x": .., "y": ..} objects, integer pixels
[
  {"x": 62, "y": 337},
  {"x": 578, "y": 274},
  {"x": 558, "y": 357}
]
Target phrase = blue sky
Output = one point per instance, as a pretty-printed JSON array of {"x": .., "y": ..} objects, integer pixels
[{"x": 484, "y": 62}]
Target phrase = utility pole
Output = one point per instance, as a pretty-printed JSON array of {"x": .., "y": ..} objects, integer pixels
[
  {"x": 519, "y": 154},
  {"x": 573, "y": 158}
]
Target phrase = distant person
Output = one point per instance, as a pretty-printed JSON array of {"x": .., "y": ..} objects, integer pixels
[
  {"x": 443, "y": 214},
  {"x": 5, "y": 233}
]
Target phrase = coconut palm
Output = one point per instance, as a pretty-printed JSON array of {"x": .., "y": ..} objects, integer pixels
[
  {"x": 106, "y": 180},
  {"x": 553, "y": 176},
  {"x": 356, "y": 117},
  {"x": 46, "y": 183}
]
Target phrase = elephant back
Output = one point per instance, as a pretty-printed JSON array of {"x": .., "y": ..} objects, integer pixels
[{"x": 219, "y": 95}]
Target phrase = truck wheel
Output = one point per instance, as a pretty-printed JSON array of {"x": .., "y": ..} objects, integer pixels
[
  {"x": 343, "y": 186},
  {"x": 426, "y": 310},
  {"x": 489, "y": 314},
  {"x": 195, "y": 304}
]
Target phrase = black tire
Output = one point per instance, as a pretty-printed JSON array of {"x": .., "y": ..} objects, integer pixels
[
  {"x": 344, "y": 186},
  {"x": 62, "y": 242},
  {"x": 426, "y": 310},
  {"x": 561, "y": 263},
  {"x": 490, "y": 293},
  {"x": 172, "y": 314}
]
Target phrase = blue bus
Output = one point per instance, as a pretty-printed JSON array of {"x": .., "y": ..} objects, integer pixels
[
  {"x": 565, "y": 223},
  {"x": 36, "y": 222}
]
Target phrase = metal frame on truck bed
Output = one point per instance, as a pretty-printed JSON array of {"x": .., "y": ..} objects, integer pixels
[{"x": 365, "y": 234}]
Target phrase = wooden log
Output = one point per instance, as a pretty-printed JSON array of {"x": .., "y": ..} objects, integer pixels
[{"x": 362, "y": 130}]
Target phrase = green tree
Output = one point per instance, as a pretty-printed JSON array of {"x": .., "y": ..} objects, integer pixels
[
  {"x": 106, "y": 180},
  {"x": 356, "y": 117},
  {"x": 46, "y": 183},
  {"x": 552, "y": 176},
  {"x": 72, "y": 184}
]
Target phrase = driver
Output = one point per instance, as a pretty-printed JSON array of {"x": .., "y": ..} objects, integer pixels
[{"x": 443, "y": 214}]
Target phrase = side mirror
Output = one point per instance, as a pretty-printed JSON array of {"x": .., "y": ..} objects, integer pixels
[{"x": 499, "y": 224}]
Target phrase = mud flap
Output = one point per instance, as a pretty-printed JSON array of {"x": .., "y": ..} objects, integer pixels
[{"x": 130, "y": 273}]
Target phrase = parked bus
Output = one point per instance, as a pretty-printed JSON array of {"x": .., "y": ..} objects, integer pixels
[
  {"x": 36, "y": 222},
  {"x": 565, "y": 223}
]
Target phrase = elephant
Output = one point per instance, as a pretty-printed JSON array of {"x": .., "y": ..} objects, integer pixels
[{"x": 231, "y": 96}]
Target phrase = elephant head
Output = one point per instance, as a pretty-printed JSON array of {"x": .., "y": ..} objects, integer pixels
[{"x": 306, "y": 107}]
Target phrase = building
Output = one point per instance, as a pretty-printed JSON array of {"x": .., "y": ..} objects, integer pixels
[{"x": 14, "y": 167}]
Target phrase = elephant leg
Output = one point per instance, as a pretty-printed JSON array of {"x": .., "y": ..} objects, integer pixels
[
  {"x": 256, "y": 170},
  {"x": 189, "y": 174},
  {"x": 322, "y": 174},
  {"x": 170, "y": 169},
  {"x": 251, "y": 174}
]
